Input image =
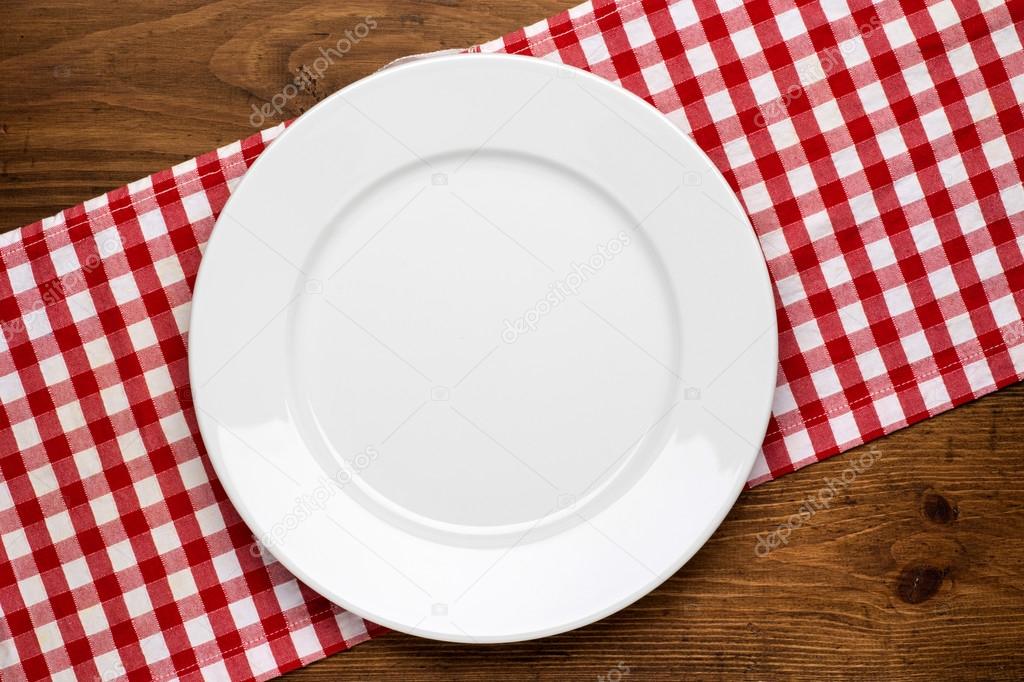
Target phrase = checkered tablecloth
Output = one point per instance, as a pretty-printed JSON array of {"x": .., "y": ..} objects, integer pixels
[{"x": 877, "y": 148}]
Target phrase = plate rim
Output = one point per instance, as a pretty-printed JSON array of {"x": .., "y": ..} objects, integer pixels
[{"x": 714, "y": 520}]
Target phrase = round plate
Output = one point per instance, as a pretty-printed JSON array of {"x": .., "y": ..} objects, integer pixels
[{"x": 482, "y": 348}]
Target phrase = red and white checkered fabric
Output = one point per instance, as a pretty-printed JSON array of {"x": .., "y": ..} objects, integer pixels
[{"x": 879, "y": 150}]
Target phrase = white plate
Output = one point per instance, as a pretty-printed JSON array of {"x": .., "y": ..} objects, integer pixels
[{"x": 483, "y": 348}]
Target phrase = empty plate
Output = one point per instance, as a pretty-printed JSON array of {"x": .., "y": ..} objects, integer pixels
[{"x": 483, "y": 348}]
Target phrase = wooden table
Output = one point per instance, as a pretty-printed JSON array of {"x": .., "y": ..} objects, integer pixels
[{"x": 916, "y": 570}]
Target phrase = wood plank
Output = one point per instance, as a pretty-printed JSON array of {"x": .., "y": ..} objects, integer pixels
[{"x": 91, "y": 99}]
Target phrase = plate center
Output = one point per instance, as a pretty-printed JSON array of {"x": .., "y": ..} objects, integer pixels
[{"x": 485, "y": 344}]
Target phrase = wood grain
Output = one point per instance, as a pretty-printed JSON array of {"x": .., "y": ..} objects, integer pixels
[
  {"x": 93, "y": 97},
  {"x": 914, "y": 571}
]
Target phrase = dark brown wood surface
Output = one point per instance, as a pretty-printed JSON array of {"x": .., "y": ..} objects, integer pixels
[{"x": 916, "y": 569}]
